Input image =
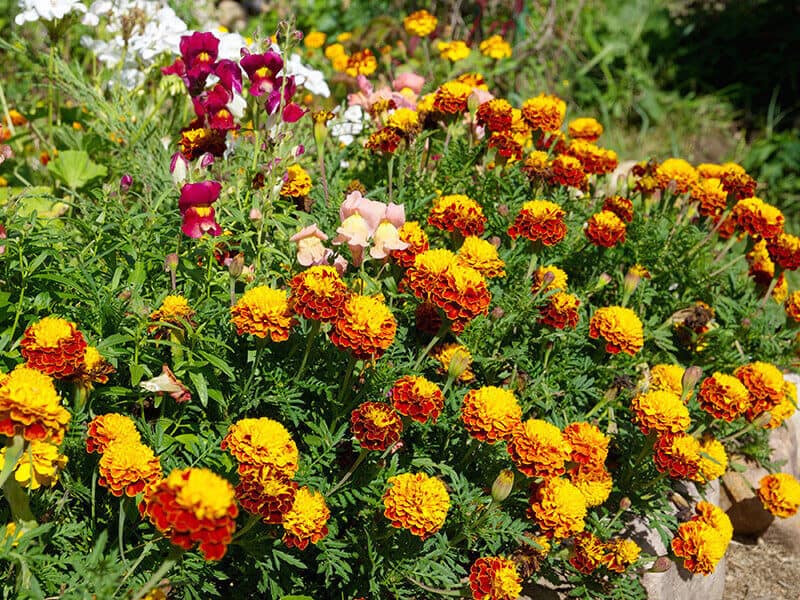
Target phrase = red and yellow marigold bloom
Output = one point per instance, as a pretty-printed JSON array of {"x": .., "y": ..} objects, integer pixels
[
  {"x": 620, "y": 206},
  {"x": 494, "y": 578},
  {"x": 595, "y": 160},
  {"x": 589, "y": 444},
  {"x": 296, "y": 182},
  {"x": 567, "y": 171},
  {"x": 660, "y": 412},
  {"x": 588, "y": 552},
  {"x": 677, "y": 454},
  {"x": 619, "y": 327},
  {"x": 95, "y": 368},
  {"x": 405, "y": 121},
  {"x": 703, "y": 540},
  {"x": 779, "y": 494},
  {"x": 262, "y": 443},
  {"x": 737, "y": 182},
  {"x": 711, "y": 198},
  {"x": 784, "y": 250},
  {"x": 416, "y": 502},
  {"x": 667, "y": 378},
  {"x": 585, "y": 128},
  {"x": 263, "y": 312},
  {"x": 536, "y": 166},
  {"x": 481, "y": 256},
  {"x": 605, "y": 229},
  {"x": 765, "y": 384},
  {"x": 538, "y": 449},
  {"x": 53, "y": 346},
  {"x": 266, "y": 494},
  {"x": 365, "y": 327},
  {"x": 713, "y": 460},
  {"x": 558, "y": 508},
  {"x": 491, "y": 414},
  {"x": 31, "y": 407},
  {"x": 307, "y": 521},
  {"x": 540, "y": 221},
  {"x": 108, "y": 428},
  {"x": 193, "y": 506},
  {"x": 678, "y": 171},
  {"x": 621, "y": 554},
  {"x": 723, "y": 396},
  {"x": 561, "y": 311},
  {"x": 457, "y": 212},
  {"x": 544, "y": 112},
  {"x": 362, "y": 62},
  {"x": 416, "y": 397},
  {"x": 758, "y": 218},
  {"x": 495, "y": 115},
  {"x": 420, "y": 23},
  {"x": 451, "y": 98},
  {"x": 413, "y": 235},
  {"x": 385, "y": 140},
  {"x": 318, "y": 293},
  {"x": 127, "y": 467},
  {"x": 556, "y": 280},
  {"x": 375, "y": 425},
  {"x": 38, "y": 466}
]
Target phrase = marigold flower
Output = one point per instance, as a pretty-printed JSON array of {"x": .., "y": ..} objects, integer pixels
[
  {"x": 595, "y": 160},
  {"x": 95, "y": 368},
  {"x": 456, "y": 361},
  {"x": 494, "y": 578},
  {"x": 375, "y": 425},
  {"x": 758, "y": 218},
  {"x": 365, "y": 326},
  {"x": 53, "y": 346},
  {"x": 428, "y": 318},
  {"x": 127, "y": 467},
  {"x": 307, "y": 520},
  {"x": 677, "y": 454},
  {"x": 605, "y": 229},
  {"x": 174, "y": 310},
  {"x": 723, "y": 396},
  {"x": 38, "y": 466},
  {"x": 420, "y": 23},
  {"x": 404, "y": 120},
  {"x": 197, "y": 141},
  {"x": 620, "y": 554},
  {"x": 702, "y": 542},
  {"x": 453, "y": 51},
  {"x": 619, "y": 327},
  {"x": 384, "y": 140},
  {"x": 296, "y": 182},
  {"x": 416, "y": 397},
  {"x": 567, "y": 171},
  {"x": 193, "y": 506},
  {"x": 557, "y": 279},
  {"x": 314, "y": 40},
  {"x": 416, "y": 502},
  {"x": 536, "y": 166},
  {"x": 491, "y": 414},
  {"x": 30, "y": 407},
  {"x": 318, "y": 293},
  {"x": 711, "y": 198},
  {"x": 265, "y": 493},
  {"x": 540, "y": 221},
  {"x": 561, "y": 311},
  {"x": 594, "y": 483},
  {"x": 473, "y": 80},
  {"x": 108, "y": 428},
  {"x": 264, "y": 443},
  {"x": 539, "y": 449},
  {"x": 495, "y": 115},
  {"x": 544, "y": 112},
  {"x": 413, "y": 235},
  {"x": 558, "y": 507},
  {"x": 457, "y": 213},
  {"x": 506, "y": 146},
  {"x": 765, "y": 384},
  {"x": 451, "y": 98},
  {"x": 713, "y": 460},
  {"x": 667, "y": 378},
  {"x": 660, "y": 411},
  {"x": 620, "y": 206},
  {"x": 495, "y": 47},
  {"x": 784, "y": 250},
  {"x": 678, "y": 170},
  {"x": 362, "y": 62},
  {"x": 785, "y": 408},
  {"x": 263, "y": 312},
  {"x": 736, "y": 181},
  {"x": 645, "y": 177},
  {"x": 588, "y": 552},
  {"x": 585, "y": 128},
  {"x": 481, "y": 256},
  {"x": 589, "y": 444},
  {"x": 779, "y": 494}
]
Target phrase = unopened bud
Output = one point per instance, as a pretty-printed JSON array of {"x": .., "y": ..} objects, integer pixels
[
  {"x": 630, "y": 282},
  {"x": 495, "y": 241},
  {"x": 548, "y": 278},
  {"x": 255, "y": 214},
  {"x": 459, "y": 363},
  {"x": 691, "y": 376},
  {"x": 171, "y": 262},
  {"x": 680, "y": 501},
  {"x": 497, "y": 313},
  {"x": 763, "y": 419},
  {"x": 179, "y": 167},
  {"x": 625, "y": 503},
  {"x": 746, "y": 323},
  {"x": 602, "y": 281},
  {"x": 125, "y": 182},
  {"x": 502, "y": 210},
  {"x": 662, "y": 565},
  {"x": 206, "y": 160},
  {"x": 236, "y": 265},
  {"x": 610, "y": 394},
  {"x": 502, "y": 486}
]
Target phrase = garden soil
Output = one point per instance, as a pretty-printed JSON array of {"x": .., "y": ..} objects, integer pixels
[{"x": 759, "y": 570}]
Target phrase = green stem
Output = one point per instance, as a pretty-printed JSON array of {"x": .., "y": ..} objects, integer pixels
[
  {"x": 339, "y": 407},
  {"x": 315, "y": 327},
  {"x": 260, "y": 345},
  {"x": 350, "y": 471},
  {"x": 436, "y": 339},
  {"x": 121, "y": 529},
  {"x": 391, "y": 173},
  {"x": 251, "y": 522},
  {"x": 531, "y": 266},
  {"x": 18, "y": 501},
  {"x": 13, "y": 452},
  {"x": 169, "y": 562}
]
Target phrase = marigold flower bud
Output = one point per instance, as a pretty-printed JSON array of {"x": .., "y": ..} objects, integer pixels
[{"x": 502, "y": 486}]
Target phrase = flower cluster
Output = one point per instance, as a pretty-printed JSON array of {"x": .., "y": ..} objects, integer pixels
[{"x": 703, "y": 540}]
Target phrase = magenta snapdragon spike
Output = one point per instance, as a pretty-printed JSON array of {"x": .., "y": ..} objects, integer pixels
[
  {"x": 198, "y": 60},
  {"x": 262, "y": 70},
  {"x": 213, "y": 107},
  {"x": 195, "y": 206}
]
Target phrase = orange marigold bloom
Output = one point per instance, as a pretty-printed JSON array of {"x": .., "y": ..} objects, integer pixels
[
  {"x": 416, "y": 502},
  {"x": 481, "y": 256},
  {"x": 451, "y": 98},
  {"x": 558, "y": 507},
  {"x": 660, "y": 412},
  {"x": 589, "y": 444},
  {"x": 703, "y": 540},
  {"x": 457, "y": 212},
  {"x": 723, "y": 396},
  {"x": 494, "y": 578},
  {"x": 40, "y": 465},
  {"x": 713, "y": 460},
  {"x": 605, "y": 229},
  {"x": 416, "y": 397},
  {"x": 784, "y": 250},
  {"x": 621, "y": 554},
  {"x": 544, "y": 112},
  {"x": 539, "y": 449},
  {"x": 711, "y": 198},
  {"x": 758, "y": 218},
  {"x": 420, "y": 23},
  {"x": 95, "y": 368},
  {"x": 296, "y": 182},
  {"x": 307, "y": 520},
  {"x": 264, "y": 493},
  {"x": 53, "y": 346},
  {"x": 127, "y": 467},
  {"x": 677, "y": 454},
  {"x": 108, "y": 428},
  {"x": 557, "y": 279},
  {"x": 585, "y": 128},
  {"x": 375, "y": 425},
  {"x": 779, "y": 494},
  {"x": 765, "y": 384},
  {"x": 491, "y": 414},
  {"x": 678, "y": 170},
  {"x": 536, "y": 166},
  {"x": 785, "y": 408},
  {"x": 31, "y": 407},
  {"x": 588, "y": 552},
  {"x": 761, "y": 269},
  {"x": 495, "y": 115},
  {"x": 620, "y": 206},
  {"x": 193, "y": 506},
  {"x": 456, "y": 361},
  {"x": 540, "y": 221},
  {"x": 567, "y": 171},
  {"x": 737, "y": 182},
  {"x": 594, "y": 483},
  {"x": 318, "y": 293},
  {"x": 595, "y": 160},
  {"x": 667, "y": 378},
  {"x": 561, "y": 311},
  {"x": 362, "y": 62},
  {"x": 384, "y": 140},
  {"x": 413, "y": 235},
  {"x": 263, "y": 312},
  {"x": 263, "y": 443},
  {"x": 619, "y": 327},
  {"x": 506, "y": 145},
  {"x": 365, "y": 327}
]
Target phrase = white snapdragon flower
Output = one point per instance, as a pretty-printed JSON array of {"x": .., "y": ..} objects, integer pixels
[
  {"x": 349, "y": 125},
  {"x": 311, "y": 79},
  {"x": 47, "y": 10}
]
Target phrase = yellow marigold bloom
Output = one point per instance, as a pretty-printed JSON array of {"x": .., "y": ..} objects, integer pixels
[
  {"x": 420, "y": 23},
  {"x": 716, "y": 517},
  {"x": 13, "y": 532},
  {"x": 473, "y": 80},
  {"x": 155, "y": 594},
  {"x": 589, "y": 444},
  {"x": 307, "y": 520},
  {"x": 660, "y": 411},
  {"x": 595, "y": 484},
  {"x": 700, "y": 545},
  {"x": 108, "y": 428},
  {"x": 494, "y": 578},
  {"x": 457, "y": 212},
  {"x": 667, "y": 378},
  {"x": 713, "y": 460},
  {"x": 557, "y": 279},
  {"x": 495, "y": 47},
  {"x": 619, "y": 327},
  {"x": 539, "y": 449},
  {"x": 481, "y": 256},
  {"x": 780, "y": 494},
  {"x": 711, "y": 197},
  {"x": 587, "y": 553},
  {"x": 365, "y": 327},
  {"x": 758, "y": 218},
  {"x": 345, "y": 36},
  {"x": 54, "y": 346},
  {"x": 544, "y": 112},
  {"x": 263, "y": 312},
  {"x": 315, "y": 40},
  {"x": 334, "y": 51},
  {"x": 296, "y": 182},
  {"x": 785, "y": 408},
  {"x": 38, "y": 466},
  {"x": 678, "y": 170},
  {"x": 723, "y": 396},
  {"x": 620, "y": 554},
  {"x": 405, "y": 120},
  {"x": 128, "y": 467},
  {"x": 585, "y": 128},
  {"x": 95, "y": 367},
  {"x": 451, "y": 98},
  {"x": 540, "y": 221},
  {"x": 30, "y": 407},
  {"x": 413, "y": 235},
  {"x": 174, "y": 309},
  {"x": 558, "y": 507},
  {"x": 456, "y": 361},
  {"x": 536, "y": 165},
  {"x": 426, "y": 103},
  {"x": 362, "y": 62},
  {"x": 710, "y": 170},
  {"x": 263, "y": 443},
  {"x": 491, "y": 414},
  {"x": 765, "y": 384},
  {"x": 453, "y": 51},
  {"x": 416, "y": 502}
]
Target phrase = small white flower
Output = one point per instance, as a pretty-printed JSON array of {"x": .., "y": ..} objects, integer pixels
[
  {"x": 349, "y": 125},
  {"x": 47, "y": 10},
  {"x": 311, "y": 79}
]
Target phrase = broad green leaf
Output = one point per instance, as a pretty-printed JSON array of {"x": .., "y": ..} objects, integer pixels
[{"x": 75, "y": 169}]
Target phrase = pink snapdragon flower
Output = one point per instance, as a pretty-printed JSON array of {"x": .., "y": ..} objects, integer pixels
[
  {"x": 195, "y": 206},
  {"x": 361, "y": 220},
  {"x": 310, "y": 250}
]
